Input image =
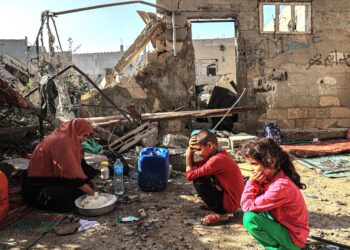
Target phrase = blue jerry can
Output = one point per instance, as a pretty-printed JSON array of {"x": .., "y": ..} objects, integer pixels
[{"x": 153, "y": 167}]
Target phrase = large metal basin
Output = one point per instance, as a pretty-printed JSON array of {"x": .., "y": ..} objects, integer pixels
[{"x": 95, "y": 211}]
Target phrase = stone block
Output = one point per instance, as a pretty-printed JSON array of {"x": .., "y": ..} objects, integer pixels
[
  {"x": 345, "y": 123},
  {"x": 181, "y": 34},
  {"x": 169, "y": 46},
  {"x": 305, "y": 123},
  {"x": 286, "y": 123},
  {"x": 326, "y": 123},
  {"x": 160, "y": 46},
  {"x": 318, "y": 112},
  {"x": 275, "y": 113},
  {"x": 340, "y": 112},
  {"x": 297, "y": 113},
  {"x": 180, "y": 21},
  {"x": 327, "y": 101}
]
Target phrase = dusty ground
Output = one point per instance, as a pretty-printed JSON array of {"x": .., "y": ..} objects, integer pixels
[{"x": 172, "y": 218}]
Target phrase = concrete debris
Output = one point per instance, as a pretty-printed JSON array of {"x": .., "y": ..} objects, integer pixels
[{"x": 175, "y": 141}]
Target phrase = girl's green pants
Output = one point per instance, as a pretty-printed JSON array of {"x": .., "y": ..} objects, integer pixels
[{"x": 267, "y": 231}]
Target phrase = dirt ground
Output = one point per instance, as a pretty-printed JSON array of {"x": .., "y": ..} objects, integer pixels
[{"x": 173, "y": 217}]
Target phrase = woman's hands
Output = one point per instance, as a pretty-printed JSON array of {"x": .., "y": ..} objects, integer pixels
[
  {"x": 90, "y": 188},
  {"x": 87, "y": 189}
]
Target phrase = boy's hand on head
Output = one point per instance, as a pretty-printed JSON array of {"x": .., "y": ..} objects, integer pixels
[
  {"x": 192, "y": 142},
  {"x": 192, "y": 146}
]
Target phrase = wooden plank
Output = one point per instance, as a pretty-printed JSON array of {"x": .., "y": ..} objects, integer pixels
[
  {"x": 109, "y": 121},
  {"x": 132, "y": 138},
  {"x": 137, "y": 47}
]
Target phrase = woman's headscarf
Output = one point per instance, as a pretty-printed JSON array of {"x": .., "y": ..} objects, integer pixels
[{"x": 60, "y": 153}]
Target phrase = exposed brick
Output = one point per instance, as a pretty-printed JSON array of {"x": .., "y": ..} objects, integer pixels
[
  {"x": 277, "y": 113},
  {"x": 306, "y": 123},
  {"x": 340, "y": 112},
  {"x": 345, "y": 123},
  {"x": 295, "y": 113},
  {"x": 318, "y": 112},
  {"x": 326, "y": 123},
  {"x": 286, "y": 123},
  {"x": 327, "y": 101}
]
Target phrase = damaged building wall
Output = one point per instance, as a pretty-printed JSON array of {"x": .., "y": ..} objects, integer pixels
[
  {"x": 161, "y": 83},
  {"x": 297, "y": 80}
]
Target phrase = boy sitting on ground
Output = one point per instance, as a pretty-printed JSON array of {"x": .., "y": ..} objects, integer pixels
[{"x": 217, "y": 178}]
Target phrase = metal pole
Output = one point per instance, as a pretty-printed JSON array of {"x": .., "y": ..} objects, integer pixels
[
  {"x": 123, "y": 112},
  {"x": 174, "y": 32},
  {"x": 108, "y": 5}
]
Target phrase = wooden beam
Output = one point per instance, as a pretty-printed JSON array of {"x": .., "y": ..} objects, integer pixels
[
  {"x": 137, "y": 47},
  {"x": 163, "y": 116}
]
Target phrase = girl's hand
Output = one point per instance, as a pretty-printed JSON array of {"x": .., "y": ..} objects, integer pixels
[{"x": 257, "y": 176}]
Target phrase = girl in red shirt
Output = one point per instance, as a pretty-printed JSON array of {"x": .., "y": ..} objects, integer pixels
[{"x": 275, "y": 211}]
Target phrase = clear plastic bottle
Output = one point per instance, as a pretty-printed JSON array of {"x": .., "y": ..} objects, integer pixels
[
  {"x": 104, "y": 170},
  {"x": 118, "y": 178}
]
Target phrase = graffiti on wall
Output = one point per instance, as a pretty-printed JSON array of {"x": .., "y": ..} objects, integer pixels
[
  {"x": 270, "y": 48},
  {"x": 333, "y": 58},
  {"x": 267, "y": 83},
  {"x": 278, "y": 76},
  {"x": 263, "y": 86}
]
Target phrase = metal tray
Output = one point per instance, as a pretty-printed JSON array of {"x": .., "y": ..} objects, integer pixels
[{"x": 94, "y": 211}]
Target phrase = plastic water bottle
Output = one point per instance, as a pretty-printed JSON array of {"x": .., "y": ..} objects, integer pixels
[{"x": 118, "y": 178}]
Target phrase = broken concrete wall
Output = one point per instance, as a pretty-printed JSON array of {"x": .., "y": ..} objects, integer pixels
[
  {"x": 163, "y": 82},
  {"x": 297, "y": 80}
]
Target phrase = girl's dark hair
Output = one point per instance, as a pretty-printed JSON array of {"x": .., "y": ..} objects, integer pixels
[{"x": 267, "y": 152}]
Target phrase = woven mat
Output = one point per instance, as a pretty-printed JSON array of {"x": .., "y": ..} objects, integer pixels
[
  {"x": 27, "y": 230},
  {"x": 330, "y": 166}
]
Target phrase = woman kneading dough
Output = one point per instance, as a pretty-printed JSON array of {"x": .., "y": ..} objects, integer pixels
[{"x": 57, "y": 172}]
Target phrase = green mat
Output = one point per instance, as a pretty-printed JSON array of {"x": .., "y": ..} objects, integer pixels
[
  {"x": 333, "y": 166},
  {"x": 27, "y": 230}
]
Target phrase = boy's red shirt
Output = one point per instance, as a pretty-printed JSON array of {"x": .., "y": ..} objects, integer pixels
[{"x": 226, "y": 172}]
